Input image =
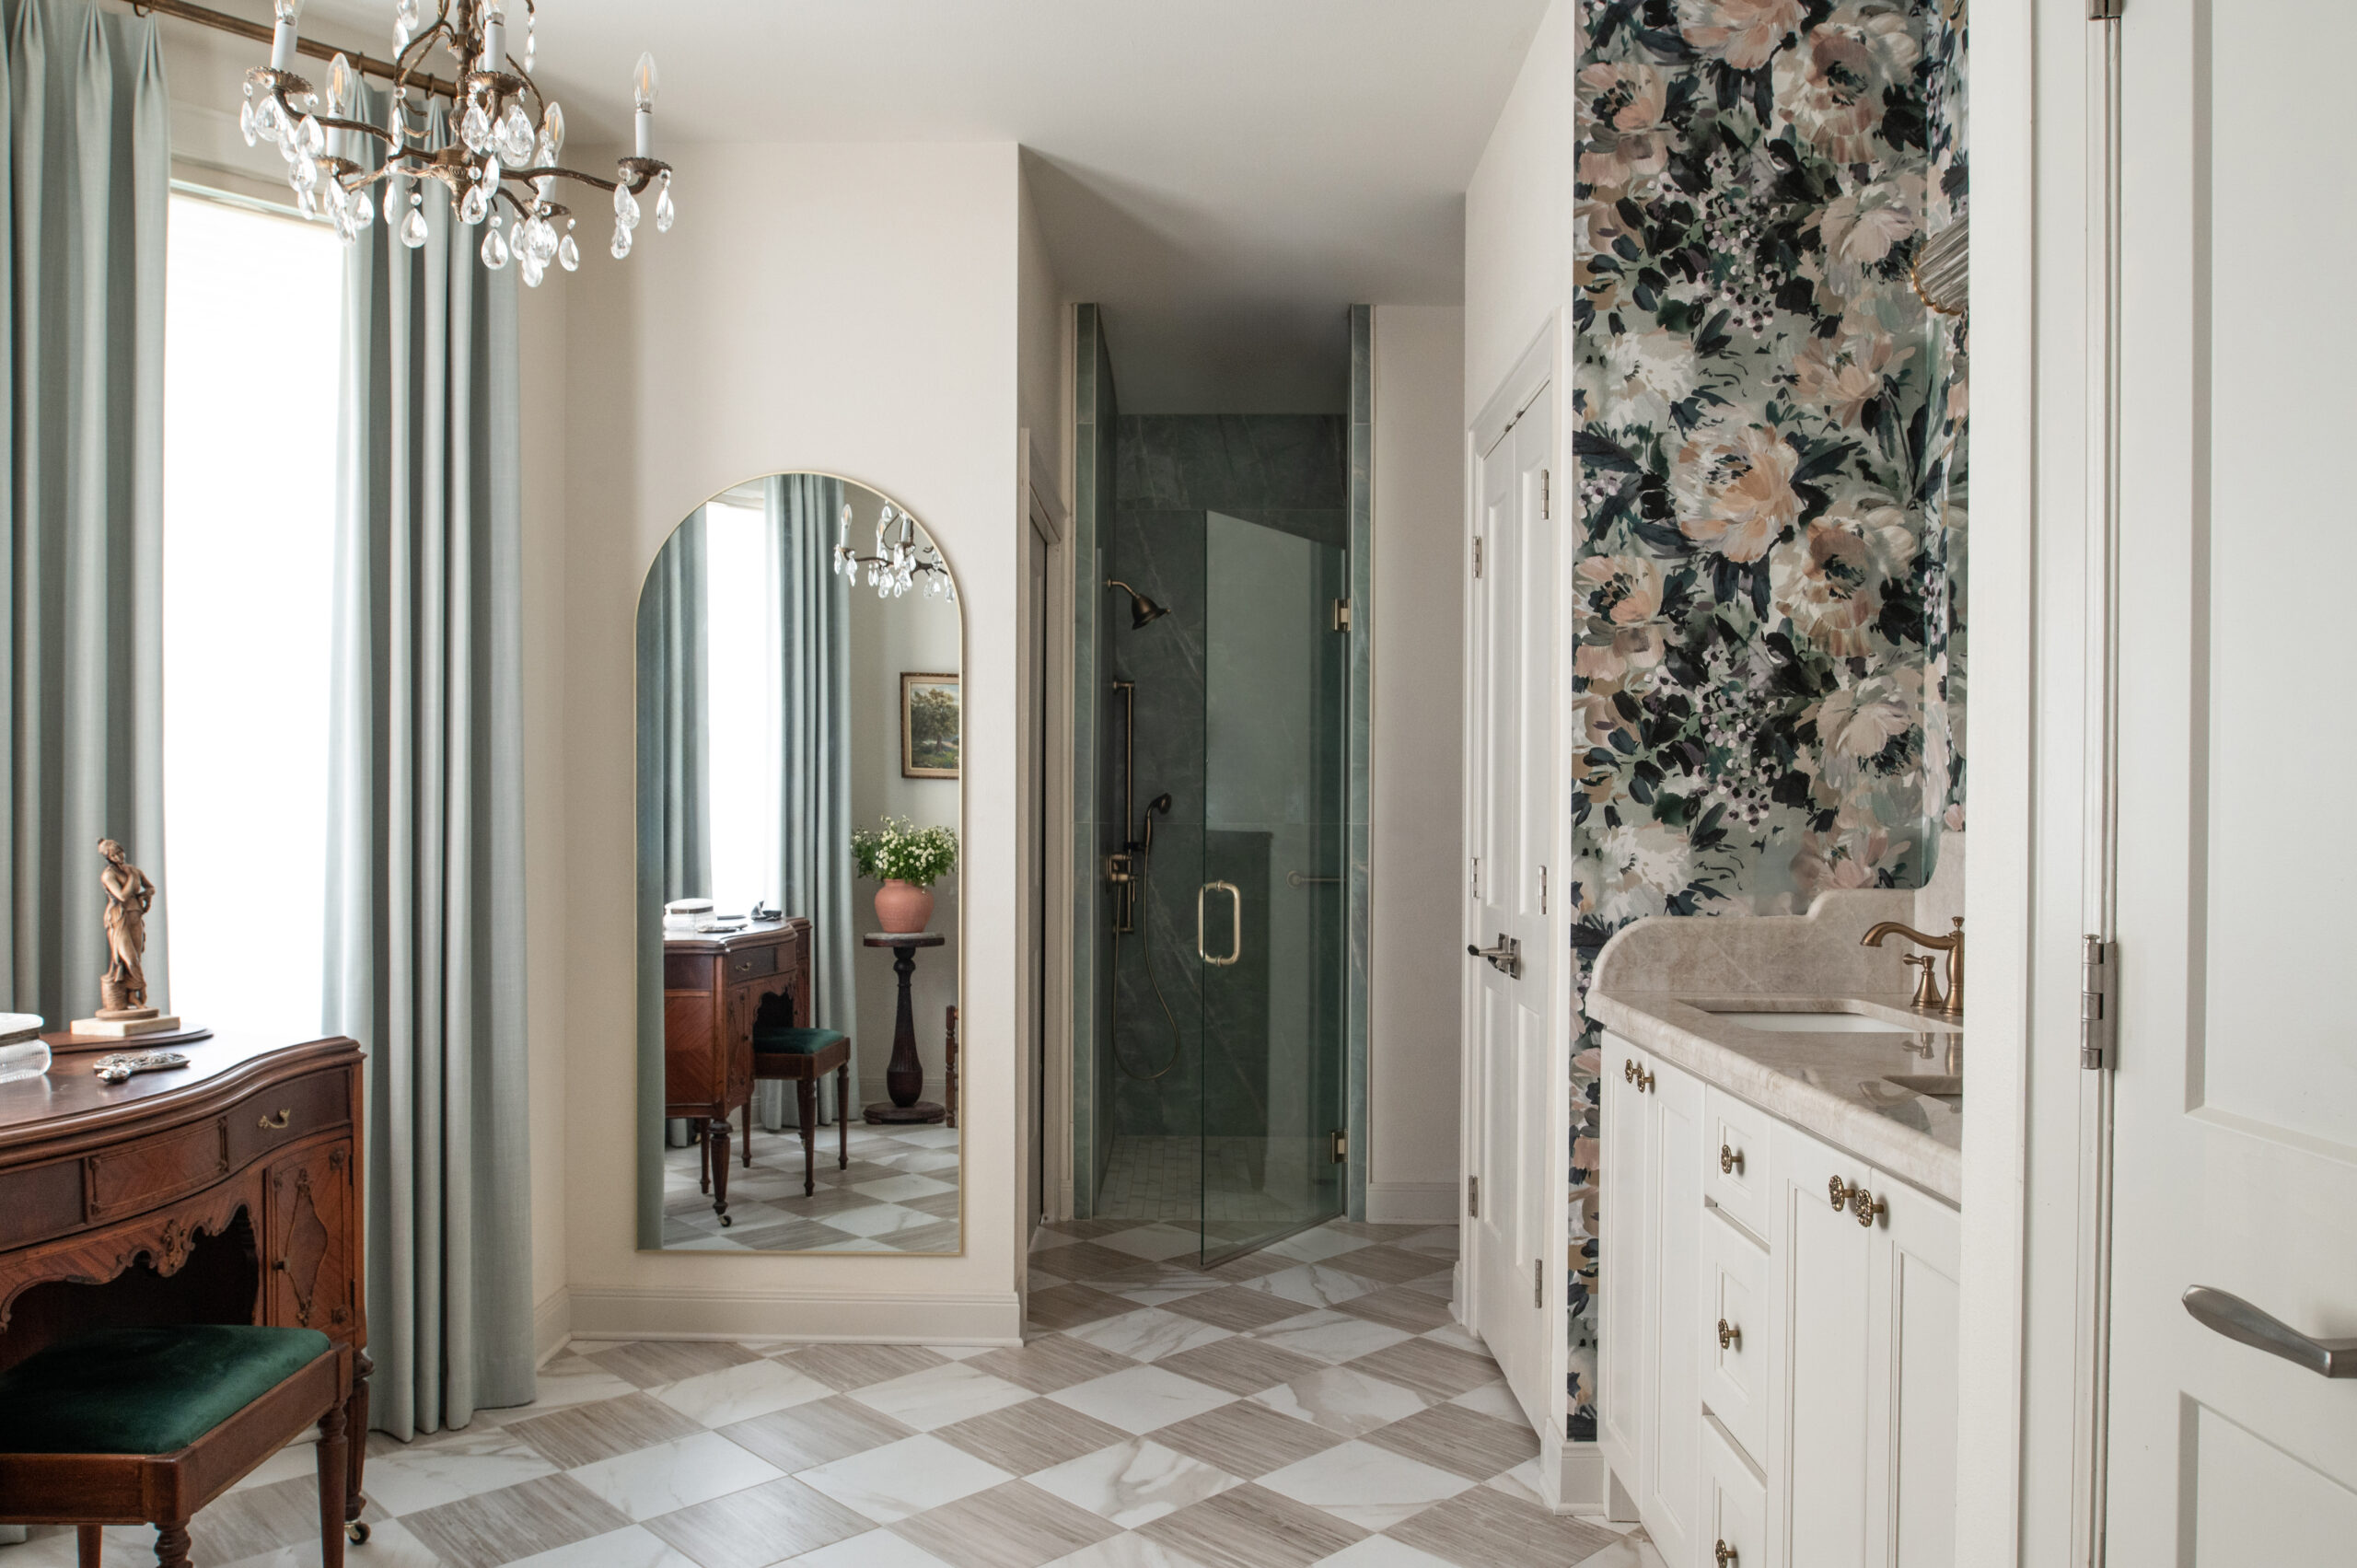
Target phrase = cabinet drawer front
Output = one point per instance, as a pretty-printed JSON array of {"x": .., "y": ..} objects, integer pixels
[
  {"x": 289, "y": 1112},
  {"x": 1735, "y": 1160},
  {"x": 1736, "y": 1364},
  {"x": 751, "y": 962},
  {"x": 1735, "y": 1508},
  {"x": 157, "y": 1170}
]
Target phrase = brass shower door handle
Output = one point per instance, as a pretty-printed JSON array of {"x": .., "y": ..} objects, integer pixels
[{"x": 1235, "y": 929}]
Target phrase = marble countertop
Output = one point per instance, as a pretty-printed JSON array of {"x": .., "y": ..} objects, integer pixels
[{"x": 1829, "y": 1085}]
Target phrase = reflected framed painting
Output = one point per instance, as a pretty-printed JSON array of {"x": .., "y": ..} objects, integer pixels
[{"x": 929, "y": 726}]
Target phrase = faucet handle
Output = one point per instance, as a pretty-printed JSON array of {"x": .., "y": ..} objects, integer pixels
[{"x": 1927, "y": 989}]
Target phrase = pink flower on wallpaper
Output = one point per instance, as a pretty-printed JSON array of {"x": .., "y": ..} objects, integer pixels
[
  {"x": 1744, "y": 33},
  {"x": 1734, "y": 487}
]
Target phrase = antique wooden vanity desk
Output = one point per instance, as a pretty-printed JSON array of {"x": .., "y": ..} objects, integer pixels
[
  {"x": 224, "y": 1192},
  {"x": 714, "y": 986}
]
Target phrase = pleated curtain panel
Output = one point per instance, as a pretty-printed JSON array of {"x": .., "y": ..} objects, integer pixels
[
  {"x": 425, "y": 896},
  {"x": 86, "y": 169}
]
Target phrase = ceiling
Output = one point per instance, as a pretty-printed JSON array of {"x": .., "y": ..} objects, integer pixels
[{"x": 1224, "y": 177}]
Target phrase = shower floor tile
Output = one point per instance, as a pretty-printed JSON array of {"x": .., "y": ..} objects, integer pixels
[{"x": 1165, "y": 1177}]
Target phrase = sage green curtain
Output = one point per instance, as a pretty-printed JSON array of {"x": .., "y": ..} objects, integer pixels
[
  {"x": 814, "y": 754},
  {"x": 87, "y": 174},
  {"x": 425, "y": 862},
  {"x": 674, "y": 760}
]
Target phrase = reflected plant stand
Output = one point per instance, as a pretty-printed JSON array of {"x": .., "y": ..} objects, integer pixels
[{"x": 904, "y": 1076}]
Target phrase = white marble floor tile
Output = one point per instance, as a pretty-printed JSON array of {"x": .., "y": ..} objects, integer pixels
[
  {"x": 1047, "y": 1240},
  {"x": 1154, "y": 1242},
  {"x": 939, "y": 1395},
  {"x": 961, "y": 1352},
  {"x": 1140, "y": 1399},
  {"x": 1126, "y": 1551},
  {"x": 1382, "y": 1551},
  {"x": 570, "y": 1379},
  {"x": 1313, "y": 1246},
  {"x": 1456, "y": 1336},
  {"x": 881, "y": 1219},
  {"x": 898, "y": 1189},
  {"x": 675, "y": 1475},
  {"x": 876, "y": 1549},
  {"x": 1313, "y": 1285},
  {"x": 296, "y": 1459},
  {"x": 1133, "y": 1483},
  {"x": 1371, "y": 1487},
  {"x": 930, "y": 1138},
  {"x": 633, "y": 1548},
  {"x": 1331, "y": 1336},
  {"x": 903, "y": 1479},
  {"x": 739, "y": 1393},
  {"x": 1148, "y": 1334},
  {"x": 389, "y": 1546},
  {"x": 1521, "y": 1483},
  {"x": 1492, "y": 1398},
  {"x": 1342, "y": 1401},
  {"x": 461, "y": 1464}
]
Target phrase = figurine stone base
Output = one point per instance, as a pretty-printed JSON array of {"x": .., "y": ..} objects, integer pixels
[{"x": 146, "y": 1021}]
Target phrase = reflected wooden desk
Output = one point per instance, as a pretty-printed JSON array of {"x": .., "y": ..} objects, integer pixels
[
  {"x": 224, "y": 1192},
  {"x": 714, "y": 987}
]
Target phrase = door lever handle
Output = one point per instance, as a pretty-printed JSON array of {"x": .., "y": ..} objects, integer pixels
[
  {"x": 2239, "y": 1320},
  {"x": 1505, "y": 958}
]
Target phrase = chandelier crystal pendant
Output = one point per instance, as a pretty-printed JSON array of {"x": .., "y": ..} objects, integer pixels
[
  {"x": 508, "y": 139},
  {"x": 898, "y": 560}
]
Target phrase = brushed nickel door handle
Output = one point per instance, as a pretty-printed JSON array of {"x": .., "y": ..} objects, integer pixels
[
  {"x": 2245, "y": 1324},
  {"x": 1236, "y": 930}
]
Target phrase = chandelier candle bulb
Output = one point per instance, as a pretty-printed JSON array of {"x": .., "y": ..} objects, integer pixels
[
  {"x": 645, "y": 83},
  {"x": 283, "y": 41},
  {"x": 494, "y": 36}
]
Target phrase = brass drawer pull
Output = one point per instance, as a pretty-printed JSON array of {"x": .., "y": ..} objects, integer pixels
[
  {"x": 1839, "y": 1190},
  {"x": 1637, "y": 1075},
  {"x": 1730, "y": 1337},
  {"x": 1730, "y": 1160},
  {"x": 1857, "y": 1200},
  {"x": 1725, "y": 1555},
  {"x": 272, "y": 1123},
  {"x": 1627, "y": 1069}
]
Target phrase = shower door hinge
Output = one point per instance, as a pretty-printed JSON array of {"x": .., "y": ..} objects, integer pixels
[
  {"x": 1538, "y": 1282},
  {"x": 1341, "y": 1146},
  {"x": 2095, "y": 1004},
  {"x": 1546, "y": 494},
  {"x": 1477, "y": 555},
  {"x": 1473, "y": 1197},
  {"x": 2104, "y": 10},
  {"x": 1342, "y": 615}
]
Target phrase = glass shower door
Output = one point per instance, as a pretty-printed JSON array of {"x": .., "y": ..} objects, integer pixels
[{"x": 1270, "y": 925}]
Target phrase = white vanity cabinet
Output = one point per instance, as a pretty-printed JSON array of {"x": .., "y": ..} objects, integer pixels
[{"x": 1779, "y": 1375}]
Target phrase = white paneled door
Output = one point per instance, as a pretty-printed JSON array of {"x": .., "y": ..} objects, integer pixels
[
  {"x": 1514, "y": 808},
  {"x": 2235, "y": 1151}
]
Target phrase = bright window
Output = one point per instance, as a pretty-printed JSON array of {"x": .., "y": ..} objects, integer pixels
[
  {"x": 742, "y": 657},
  {"x": 252, "y": 305}
]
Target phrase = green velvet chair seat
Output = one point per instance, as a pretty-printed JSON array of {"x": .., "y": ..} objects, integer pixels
[
  {"x": 145, "y": 1390},
  {"x": 796, "y": 1042}
]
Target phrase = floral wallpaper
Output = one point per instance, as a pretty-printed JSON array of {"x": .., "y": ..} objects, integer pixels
[{"x": 1768, "y": 678}]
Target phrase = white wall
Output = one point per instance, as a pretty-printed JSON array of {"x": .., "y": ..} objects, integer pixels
[
  {"x": 1518, "y": 213},
  {"x": 1415, "y": 792},
  {"x": 844, "y": 307}
]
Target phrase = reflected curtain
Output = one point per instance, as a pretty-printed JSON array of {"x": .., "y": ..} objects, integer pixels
[
  {"x": 814, "y": 755},
  {"x": 674, "y": 752},
  {"x": 426, "y": 868},
  {"x": 86, "y": 172}
]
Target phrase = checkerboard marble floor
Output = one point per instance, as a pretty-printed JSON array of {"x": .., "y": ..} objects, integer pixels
[
  {"x": 898, "y": 1194},
  {"x": 1308, "y": 1403}
]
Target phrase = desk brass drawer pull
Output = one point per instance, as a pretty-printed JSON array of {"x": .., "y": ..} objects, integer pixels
[{"x": 273, "y": 1124}]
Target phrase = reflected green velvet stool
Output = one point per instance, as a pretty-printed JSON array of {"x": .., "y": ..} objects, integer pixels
[
  {"x": 802, "y": 1057},
  {"x": 129, "y": 1426}
]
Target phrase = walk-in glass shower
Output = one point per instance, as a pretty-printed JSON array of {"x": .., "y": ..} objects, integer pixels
[{"x": 1222, "y": 1053}]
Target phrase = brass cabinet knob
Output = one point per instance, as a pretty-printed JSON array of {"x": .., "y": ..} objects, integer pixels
[
  {"x": 1839, "y": 1190},
  {"x": 1730, "y": 1160},
  {"x": 1865, "y": 1205},
  {"x": 1724, "y": 1554},
  {"x": 272, "y": 1123},
  {"x": 1645, "y": 1081},
  {"x": 1628, "y": 1070},
  {"x": 1730, "y": 1337}
]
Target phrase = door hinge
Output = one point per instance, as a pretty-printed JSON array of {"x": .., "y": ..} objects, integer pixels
[
  {"x": 2104, "y": 10},
  {"x": 1477, "y": 555},
  {"x": 1342, "y": 615},
  {"x": 1473, "y": 1197},
  {"x": 2096, "y": 1002},
  {"x": 1477, "y": 876},
  {"x": 1542, "y": 889},
  {"x": 1538, "y": 1282},
  {"x": 1341, "y": 1146},
  {"x": 1546, "y": 494}
]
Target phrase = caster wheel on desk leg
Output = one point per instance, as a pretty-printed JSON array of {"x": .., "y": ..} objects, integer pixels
[
  {"x": 725, "y": 1222},
  {"x": 357, "y": 1532}
]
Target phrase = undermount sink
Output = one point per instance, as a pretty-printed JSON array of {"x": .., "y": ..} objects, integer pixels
[
  {"x": 1812, "y": 1023},
  {"x": 1939, "y": 1086}
]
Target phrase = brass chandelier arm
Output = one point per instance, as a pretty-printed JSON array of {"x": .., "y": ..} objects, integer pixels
[{"x": 221, "y": 21}]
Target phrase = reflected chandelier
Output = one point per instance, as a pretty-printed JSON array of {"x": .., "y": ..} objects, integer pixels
[
  {"x": 508, "y": 139},
  {"x": 898, "y": 560}
]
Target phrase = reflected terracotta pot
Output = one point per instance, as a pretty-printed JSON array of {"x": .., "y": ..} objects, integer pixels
[{"x": 902, "y": 907}]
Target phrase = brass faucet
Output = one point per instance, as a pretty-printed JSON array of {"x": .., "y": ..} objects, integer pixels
[{"x": 1927, "y": 995}]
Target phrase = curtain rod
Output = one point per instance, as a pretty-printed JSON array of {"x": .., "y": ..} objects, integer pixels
[{"x": 205, "y": 17}]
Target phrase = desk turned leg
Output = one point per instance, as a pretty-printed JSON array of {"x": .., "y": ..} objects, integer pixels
[
  {"x": 90, "y": 1544},
  {"x": 355, "y": 1426},
  {"x": 842, "y": 1117},
  {"x": 715, "y": 1137},
  {"x": 172, "y": 1545},
  {"x": 335, "y": 1462},
  {"x": 904, "y": 1075},
  {"x": 805, "y": 1100},
  {"x": 746, "y": 1154}
]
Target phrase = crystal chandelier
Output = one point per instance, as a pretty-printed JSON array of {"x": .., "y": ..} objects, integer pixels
[
  {"x": 509, "y": 137},
  {"x": 898, "y": 560}
]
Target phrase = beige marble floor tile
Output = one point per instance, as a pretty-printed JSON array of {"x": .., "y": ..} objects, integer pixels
[
  {"x": 1391, "y": 1265},
  {"x": 1067, "y": 1306},
  {"x": 816, "y": 1433},
  {"x": 759, "y": 1526},
  {"x": 1475, "y": 1446},
  {"x": 1049, "y": 1362},
  {"x": 1235, "y": 1307},
  {"x": 845, "y": 1367},
  {"x": 1244, "y": 1364},
  {"x": 583, "y": 1434},
  {"x": 648, "y": 1363},
  {"x": 1014, "y": 1525},
  {"x": 1482, "y": 1527},
  {"x": 1245, "y": 1440},
  {"x": 1251, "y": 1527},
  {"x": 1028, "y": 1437},
  {"x": 1433, "y": 1370},
  {"x": 498, "y": 1528},
  {"x": 1399, "y": 1307}
]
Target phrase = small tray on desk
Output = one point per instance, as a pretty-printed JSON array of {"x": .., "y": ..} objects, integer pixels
[{"x": 63, "y": 1044}]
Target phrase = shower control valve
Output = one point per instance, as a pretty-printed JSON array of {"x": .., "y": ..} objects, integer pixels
[{"x": 1121, "y": 867}]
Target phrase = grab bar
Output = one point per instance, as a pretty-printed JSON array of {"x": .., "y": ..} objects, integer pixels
[{"x": 1235, "y": 929}]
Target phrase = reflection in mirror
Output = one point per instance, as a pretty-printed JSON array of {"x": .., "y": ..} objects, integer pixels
[{"x": 799, "y": 744}]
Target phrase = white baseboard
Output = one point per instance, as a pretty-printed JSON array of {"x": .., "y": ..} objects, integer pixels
[
  {"x": 1582, "y": 1484},
  {"x": 551, "y": 1325},
  {"x": 1412, "y": 1202},
  {"x": 982, "y": 1320}
]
